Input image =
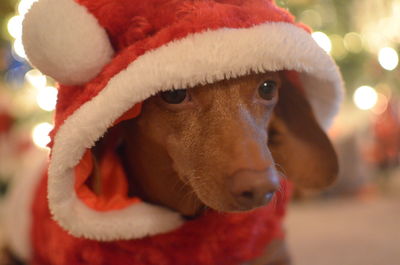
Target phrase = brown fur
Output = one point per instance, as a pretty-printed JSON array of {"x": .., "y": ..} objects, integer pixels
[{"x": 223, "y": 141}]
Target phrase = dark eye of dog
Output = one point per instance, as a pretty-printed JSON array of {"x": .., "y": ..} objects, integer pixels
[
  {"x": 174, "y": 96},
  {"x": 267, "y": 89}
]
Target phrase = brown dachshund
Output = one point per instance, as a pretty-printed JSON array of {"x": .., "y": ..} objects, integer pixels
[{"x": 225, "y": 146}]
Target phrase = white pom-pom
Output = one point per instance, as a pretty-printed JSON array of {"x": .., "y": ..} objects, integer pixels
[{"x": 63, "y": 40}]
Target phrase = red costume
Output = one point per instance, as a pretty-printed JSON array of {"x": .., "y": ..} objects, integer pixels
[
  {"x": 108, "y": 56},
  {"x": 214, "y": 238}
]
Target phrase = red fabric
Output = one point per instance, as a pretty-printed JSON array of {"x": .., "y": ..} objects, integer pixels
[
  {"x": 6, "y": 122},
  {"x": 130, "y": 114},
  {"x": 294, "y": 79},
  {"x": 113, "y": 186},
  {"x": 137, "y": 26},
  {"x": 214, "y": 238}
]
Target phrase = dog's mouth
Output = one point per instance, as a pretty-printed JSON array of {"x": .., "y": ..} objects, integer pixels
[
  {"x": 232, "y": 207},
  {"x": 200, "y": 212}
]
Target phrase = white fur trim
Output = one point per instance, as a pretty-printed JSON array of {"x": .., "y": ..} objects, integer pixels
[
  {"x": 136, "y": 221},
  {"x": 197, "y": 59},
  {"x": 63, "y": 40}
]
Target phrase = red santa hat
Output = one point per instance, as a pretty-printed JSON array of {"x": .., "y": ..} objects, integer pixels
[{"x": 110, "y": 55}]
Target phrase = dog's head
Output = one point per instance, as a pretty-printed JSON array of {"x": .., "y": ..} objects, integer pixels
[{"x": 226, "y": 145}]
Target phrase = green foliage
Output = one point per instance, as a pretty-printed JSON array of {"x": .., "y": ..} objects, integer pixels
[{"x": 336, "y": 17}]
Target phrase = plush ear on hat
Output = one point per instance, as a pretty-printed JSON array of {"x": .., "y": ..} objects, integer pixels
[
  {"x": 298, "y": 144},
  {"x": 63, "y": 40}
]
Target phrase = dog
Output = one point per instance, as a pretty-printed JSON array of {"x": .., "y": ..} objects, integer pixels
[
  {"x": 242, "y": 136},
  {"x": 247, "y": 134},
  {"x": 238, "y": 139},
  {"x": 225, "y": 147}
]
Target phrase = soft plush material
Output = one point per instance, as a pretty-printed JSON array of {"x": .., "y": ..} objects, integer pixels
[
  {"x": 67, "y": 43},
  {"x": 214, "y": 238},
  {"x": 109, "y": 56}
]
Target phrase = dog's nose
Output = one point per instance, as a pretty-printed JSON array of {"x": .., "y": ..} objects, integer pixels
[{"x": 251, "y": 188}]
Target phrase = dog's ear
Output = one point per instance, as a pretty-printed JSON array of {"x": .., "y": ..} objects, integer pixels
[{"x": 301, "y": 149}]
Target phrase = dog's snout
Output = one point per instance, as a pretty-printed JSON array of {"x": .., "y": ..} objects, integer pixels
[{"x": 251, "y": 188}]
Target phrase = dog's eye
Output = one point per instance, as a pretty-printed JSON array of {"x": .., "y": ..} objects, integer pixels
[
  {"x": 174, "y": 96},
  {"x": 267, "y": 89}
]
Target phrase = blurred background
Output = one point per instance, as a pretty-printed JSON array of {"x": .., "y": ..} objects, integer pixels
[{"x": 357, "y": 221}]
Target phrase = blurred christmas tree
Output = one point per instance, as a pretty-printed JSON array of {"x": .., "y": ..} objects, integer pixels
[
  {"x": 26, "y": 98},
  {"x": 364, "y": 37},
  {"x": 25, "y": 94}
]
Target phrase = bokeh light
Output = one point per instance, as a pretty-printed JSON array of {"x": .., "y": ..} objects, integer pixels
[
  {"x": 47, "y": 98},
  {"x": 24, "y": 6},
  {"x": 353, "y": 42},
  {"x": 40, "y": 134},
  {"x": 36, "y": 78},
  {"x": 365, "y": 97},
  {"x": 381, "y": 104},
  {"x": 19, "y": 48},
  {"x": 14, "y": 27},
  {"x": 338, "y": 50},
  {"x": 388, "y": 58},
  {"x": 323, "y": 41}
]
